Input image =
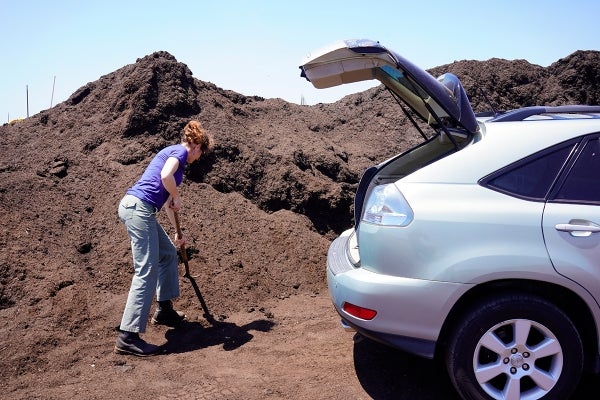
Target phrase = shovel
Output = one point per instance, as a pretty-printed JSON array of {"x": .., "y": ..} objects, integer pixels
[{"x": 183, "y": 251}]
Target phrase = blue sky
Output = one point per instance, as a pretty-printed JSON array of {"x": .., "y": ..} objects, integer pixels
[{"x": 52, "y": 48}]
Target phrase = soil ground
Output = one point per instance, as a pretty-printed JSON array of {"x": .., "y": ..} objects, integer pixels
[{"x": 259, "y": 214}]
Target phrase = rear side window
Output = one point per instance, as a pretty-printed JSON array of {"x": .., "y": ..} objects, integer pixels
[
  {"x": 532, "y": 177},
  {"x": 582, "y": 184}
]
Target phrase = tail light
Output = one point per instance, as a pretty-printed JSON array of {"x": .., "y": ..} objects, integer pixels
[{"x": 359, "y": 312}]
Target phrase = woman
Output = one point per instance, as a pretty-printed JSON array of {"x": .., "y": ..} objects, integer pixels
[{"x": 154, "y": 254}]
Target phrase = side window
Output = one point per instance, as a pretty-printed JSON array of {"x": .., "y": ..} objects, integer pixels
[
  {"x": 583, "y": 180},
  {"x": 532, "y": 177}
]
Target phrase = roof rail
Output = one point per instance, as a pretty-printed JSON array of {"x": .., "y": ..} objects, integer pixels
[{"x": 526, "y": 112}]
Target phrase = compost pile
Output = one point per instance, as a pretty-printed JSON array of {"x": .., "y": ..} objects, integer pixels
[{"x": 259, "y": 213}]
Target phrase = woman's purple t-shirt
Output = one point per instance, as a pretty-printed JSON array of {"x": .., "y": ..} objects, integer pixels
[{"x": 149, "y": 187}]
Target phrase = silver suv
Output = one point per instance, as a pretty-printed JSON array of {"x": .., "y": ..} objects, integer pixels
[{"x": 481, "y": 244}]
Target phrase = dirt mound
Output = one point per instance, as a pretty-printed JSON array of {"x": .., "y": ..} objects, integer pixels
[{"x": 260, "y": 211}]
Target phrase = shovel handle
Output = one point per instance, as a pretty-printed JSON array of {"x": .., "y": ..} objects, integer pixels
[
  {"x": 207, "y": 314},
  {"x": 182, "y": 247}
]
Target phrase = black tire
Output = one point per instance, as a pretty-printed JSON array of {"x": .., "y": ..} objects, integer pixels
[{"x": 543, "y": 360}]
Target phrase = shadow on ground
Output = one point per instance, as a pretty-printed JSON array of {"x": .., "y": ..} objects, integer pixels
[
  {"x": 190, "y": 336},
  {"x": 386, "y": 373}
]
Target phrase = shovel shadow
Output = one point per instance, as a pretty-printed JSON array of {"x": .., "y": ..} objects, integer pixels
[{"x": 190, "y": 336}]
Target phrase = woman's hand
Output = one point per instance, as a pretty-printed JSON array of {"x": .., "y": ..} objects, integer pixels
[
  {"x": 179, "y": 241},
  {"x": 175, "y": 203}
]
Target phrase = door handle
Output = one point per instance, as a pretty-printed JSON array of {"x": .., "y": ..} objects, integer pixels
[{"x": 578, "y": 229}]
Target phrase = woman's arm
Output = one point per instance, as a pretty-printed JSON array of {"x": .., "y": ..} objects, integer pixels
[
  {"x": 179, "y": 241},
  {"x": 167, "y": 176}
]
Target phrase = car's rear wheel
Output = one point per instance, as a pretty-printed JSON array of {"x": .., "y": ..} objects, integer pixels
[{"x": 515, "y": 347}]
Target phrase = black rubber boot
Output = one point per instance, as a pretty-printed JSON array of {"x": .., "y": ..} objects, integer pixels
[
  {"x": 166, "y": 315},
  {"x": 132, "y": 343}
]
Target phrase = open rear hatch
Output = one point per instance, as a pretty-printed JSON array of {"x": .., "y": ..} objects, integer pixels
[{"x": 442, "y": 103}]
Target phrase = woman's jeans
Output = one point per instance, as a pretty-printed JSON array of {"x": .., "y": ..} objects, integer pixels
[{"x": 154, "y": 260}]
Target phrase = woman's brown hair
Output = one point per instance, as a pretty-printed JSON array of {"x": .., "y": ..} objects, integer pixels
[{"x": 194, "y": 133}]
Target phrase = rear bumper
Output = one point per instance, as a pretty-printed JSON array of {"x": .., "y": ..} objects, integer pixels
[
  {"x": 410, "y": 312},
  {"x": 423, "y": 348}
]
